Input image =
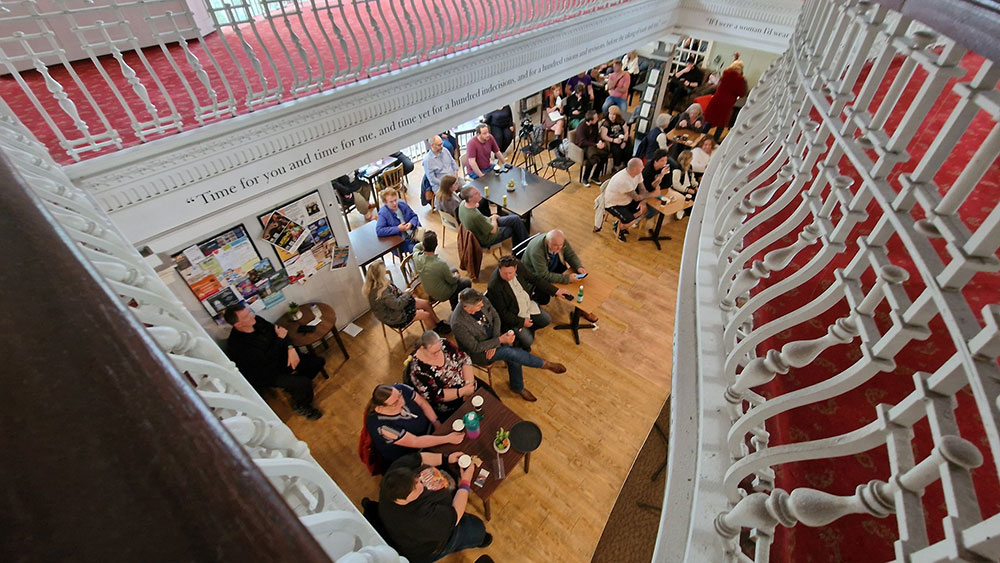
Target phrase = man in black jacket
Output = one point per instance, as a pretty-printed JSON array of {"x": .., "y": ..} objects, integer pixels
[
  {"x": 516, "y": 293},
  {"x": 265, "y": 357}
]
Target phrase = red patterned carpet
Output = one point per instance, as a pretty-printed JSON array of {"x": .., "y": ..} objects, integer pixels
[
  {"x": 857, "y": 537},
  {"x": 428, "y": 29}
]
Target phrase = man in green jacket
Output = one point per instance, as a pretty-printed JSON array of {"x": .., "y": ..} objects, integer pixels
[
  {"x": 437, "y": 277},
  {"x": 493, "y": 229},
  {"x": 552, "y": 259}
]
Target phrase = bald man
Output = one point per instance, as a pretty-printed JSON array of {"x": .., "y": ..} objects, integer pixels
[
  {"x": 437, "y": 164},
  {"x": 552, "y": 259},
  {"x": 622, "y": 200}
]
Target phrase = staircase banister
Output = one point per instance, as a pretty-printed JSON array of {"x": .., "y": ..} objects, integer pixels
[{"x": 109, "y": 452}]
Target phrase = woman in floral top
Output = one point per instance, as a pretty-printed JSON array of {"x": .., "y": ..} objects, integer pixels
[{"x": 441, "y": 373}]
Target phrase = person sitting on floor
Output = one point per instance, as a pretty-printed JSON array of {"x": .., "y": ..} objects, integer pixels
[
  {"x": 480, "y": 151},
  {"x": 264, "y": 355},
  {"x": 399, "y": 421},
  {"x": 437, "y": 164},
  {"x": 489, "y": 231},
  {"x": 395, "y": 308},
  {"x": 440, "y": 280},
  {"x": 441, "y": 373},
  {"x": 423, "y": 512},
  {"x": 354, "y": 192},
  {"x": 577, "y": 106},
  {"x": 477, "y": 330},
  {"x": 552, "y": 259},
  {"x": 595, "y": 151},
  {"x": 396, "y": 218},
  {"x": 516, "y": 293},
  {"x": 622, "y": 200}
]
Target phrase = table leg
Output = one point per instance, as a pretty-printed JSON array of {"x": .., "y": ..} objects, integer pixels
[
  {"x": 527, "y": 461},
  {"x": 486, "y": 509},
  {"x": 336, "y": 334},
  {"x": 574, "y": 325},
  {"x": 527, "y": 221},
  {"x": 656, "y": 238}
]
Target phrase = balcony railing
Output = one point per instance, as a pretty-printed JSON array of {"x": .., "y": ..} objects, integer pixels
[
  {"x": 841, "y": 257},
  {"x": 91, "y": 76},
  {"x": 198, "y": 365}
]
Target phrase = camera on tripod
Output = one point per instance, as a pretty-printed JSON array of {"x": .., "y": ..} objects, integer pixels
[{"x": 527, "y": 128}]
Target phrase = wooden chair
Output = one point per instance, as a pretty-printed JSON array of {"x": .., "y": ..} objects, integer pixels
[
  {"x": 448, "y": 221},
  {"x": 411, "y": 280},
  {"x": 488, "y": 369},
  {"x": 392, "y": 178},
  {"x": 345, "y": 208}
]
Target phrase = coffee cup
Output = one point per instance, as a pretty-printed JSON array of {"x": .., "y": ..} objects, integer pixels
[
  {"x": 458, "y": 425},
  {"x": 464, "y": 461},
  {"x": 477, "y": 402}
]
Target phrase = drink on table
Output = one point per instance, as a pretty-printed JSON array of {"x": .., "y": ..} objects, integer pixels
[
  {"x": 471, "y": 425},
  {"x": 579, "y": 295},
  {"x": 477, "y": 403}
]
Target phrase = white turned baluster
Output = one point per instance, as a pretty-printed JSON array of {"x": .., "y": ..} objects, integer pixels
[
  {"x": 130, "y": 76},
  {"x": 887, "y": 275},
  {"x": 256, "y": 432},
  {"x": 780, "y": 258}
]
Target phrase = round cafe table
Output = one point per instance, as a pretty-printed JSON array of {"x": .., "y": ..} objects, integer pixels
[{"x": 311, "y": 340}]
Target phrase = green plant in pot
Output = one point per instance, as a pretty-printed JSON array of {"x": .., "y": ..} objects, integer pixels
[
  {"x": 293, "y": 311},
  {"x": 502, "y": 441}
]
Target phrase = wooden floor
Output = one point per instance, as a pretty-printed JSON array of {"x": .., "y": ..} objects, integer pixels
[{"x": 594, "y": 418}]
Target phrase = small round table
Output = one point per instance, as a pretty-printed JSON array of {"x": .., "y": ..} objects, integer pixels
[{"x": 323, "y": 330}]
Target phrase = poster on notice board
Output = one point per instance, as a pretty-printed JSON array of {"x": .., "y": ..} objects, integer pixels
[
  {"x": 317, "y": 250},
  {"x": 226, "y": 269}
]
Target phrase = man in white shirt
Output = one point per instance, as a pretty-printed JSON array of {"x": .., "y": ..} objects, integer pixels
[
  {"x": 622, "y": 200},
  {"x": 437, "y": 164}
]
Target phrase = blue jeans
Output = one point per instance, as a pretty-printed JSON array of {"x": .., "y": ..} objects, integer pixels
[
  {"x": 512, "y": 227},
  {"x": 526, "y": 336},
  {"x": 470, "y": 532},
  {"x": 614, "y": 101},
  {"x": 473, "y": 175},
  {"x": 515, "y": 358}
]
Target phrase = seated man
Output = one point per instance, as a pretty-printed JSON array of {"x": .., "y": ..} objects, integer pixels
[
  {"x": 479, "y": 152},
  {"x": 437, "y": 277},
  {"x": 516, "y": 294},
  {"x": 265, "y": 357},
  {"x": 622, "y": 200},
  {"x": 423, "y": 511},
  {"x": 476, "y": 327},
  {"x": 595, "y": 151},
  {"x": 552, "y": 259},
  {"x": 655, "y": 179},
  {"x": 489, "y": 231},
  {"x": 437, "y": 164},
  {"x": 396, "y": 218},
  {"x": 354, "y": 192}
]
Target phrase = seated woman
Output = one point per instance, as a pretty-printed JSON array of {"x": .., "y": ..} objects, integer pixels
[
  {"x": 396, "y": 308},
  {"x": 577, "y": 105},
  {"x": 399, "y": 421},
  {"x": 552, "y": 117},
  {"x": 682, "y": 180},
  {"x": 692, "y": 118},
  {"x": 441, "y": 373},
  {"x": 396, "y": 218},
  {"x": 448, "y": 200},
  {"x": 700, "y": 156},
  {"x": 614, "y": 133}
]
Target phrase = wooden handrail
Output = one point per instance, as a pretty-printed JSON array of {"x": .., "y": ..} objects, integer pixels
[{"x": 108, "y": 453}]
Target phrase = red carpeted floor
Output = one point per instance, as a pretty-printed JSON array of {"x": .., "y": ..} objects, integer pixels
[
  {"x": 428, "y": 29},
  {"x": 866, "y": 538}
]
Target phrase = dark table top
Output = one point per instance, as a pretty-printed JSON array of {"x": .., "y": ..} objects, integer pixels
[
  {"x": 377, "y": 167},
  {"x": 524, "y": 198},
  {"x": 299, "y": 339},
  {"x": 367, "y": 246},
  {"x": 495, "y": 414}
]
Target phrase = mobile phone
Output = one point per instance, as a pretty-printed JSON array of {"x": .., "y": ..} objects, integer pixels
[
  {"x": 481, "y": 480},
  {"x": 567, "y": 297},
  {"x": 581, "y": 276}
]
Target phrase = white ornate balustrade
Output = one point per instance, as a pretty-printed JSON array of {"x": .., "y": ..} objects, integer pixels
[
  {"x": 827, "y": 143},
  {"x": 322, "y": 506}
]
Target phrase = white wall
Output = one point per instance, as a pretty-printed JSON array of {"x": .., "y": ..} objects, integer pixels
[{"x": 755, "y": 61}]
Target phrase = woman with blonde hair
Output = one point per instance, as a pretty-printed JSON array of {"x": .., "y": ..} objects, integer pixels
[
  {"x": 682, "y": 179},
  {"x": 396, "y": 308},
  {"x": 553, "y": 118},
  {"x": 732, "y": 86},
  {"x": 614, "y": 133}
]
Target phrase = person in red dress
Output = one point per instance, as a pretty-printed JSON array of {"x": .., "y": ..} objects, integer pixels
[{"x": 732, "y": 86}]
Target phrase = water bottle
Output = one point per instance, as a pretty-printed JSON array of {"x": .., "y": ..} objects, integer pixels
[
  {"x": 579, "y": 295},
  {"x": 471, "y": 424},
  {"x": 524, "y": 182}
]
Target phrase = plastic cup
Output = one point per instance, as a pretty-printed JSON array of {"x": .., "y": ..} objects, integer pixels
[
  {"x": 477, "y": 402},
  {"x": 458, "y": 425},
  {"x": 464, "y": 461}
]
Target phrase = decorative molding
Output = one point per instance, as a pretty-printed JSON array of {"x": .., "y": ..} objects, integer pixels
[
  {"x": 757, "y": 24},
  {"x": 156, "y": 188}
]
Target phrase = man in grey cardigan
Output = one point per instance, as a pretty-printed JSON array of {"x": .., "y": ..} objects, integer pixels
[
  {"x": 476, "y": 326},
  {"x": 552, "y": 259}
]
